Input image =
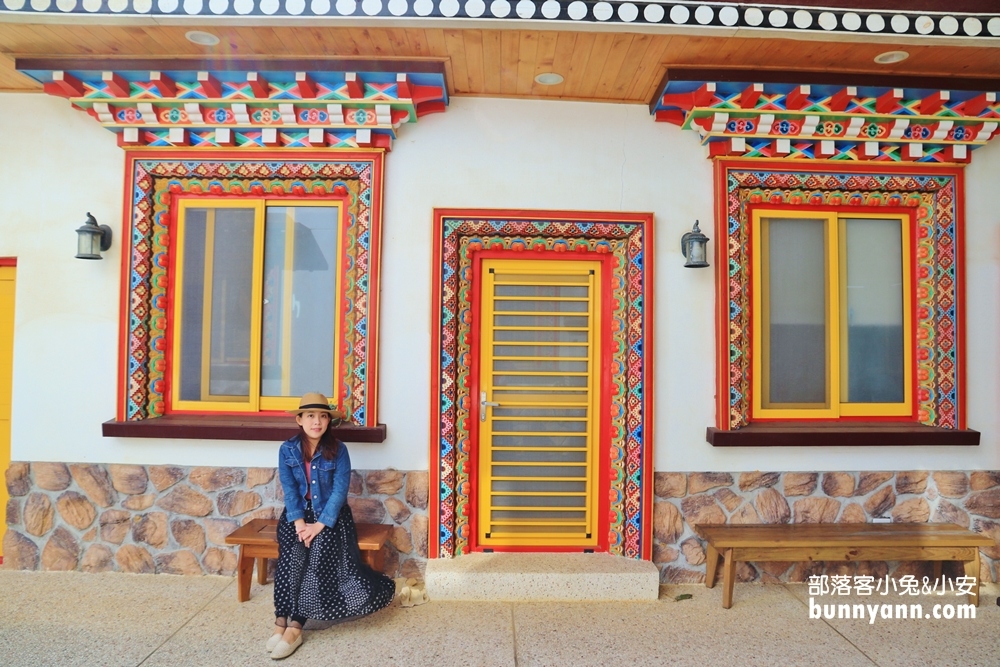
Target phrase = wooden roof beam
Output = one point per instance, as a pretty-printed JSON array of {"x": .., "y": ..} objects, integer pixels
[
  {"x": 976, "y": 105},
  {"x": 843, "y": 97},
  {"x": 355, "y": 86},
  {"x": 164, "y": 84},
  {"x": 259, "y": 85},
  {"x": 888, "y": 101},
  {"x": 210, "y": 85},
  {"x": 64, "y": 84},
  {"x": 931, "y": 104},
  {"x": 798, "y": 98},
  {"x": 307, "y": 87},
  {"x": 117, "y": 85},
  {"x": 751, "y": 95}
]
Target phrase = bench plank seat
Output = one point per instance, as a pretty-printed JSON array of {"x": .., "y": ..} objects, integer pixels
[
  {"x": 258, "y": 541},
  {"x": 838, "y": 542}
]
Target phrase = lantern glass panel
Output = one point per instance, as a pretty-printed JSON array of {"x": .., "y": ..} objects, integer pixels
[{"x": 88, "y": 243}]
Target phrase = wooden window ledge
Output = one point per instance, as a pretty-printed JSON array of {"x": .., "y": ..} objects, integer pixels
[
  {"x": 841, "y": 434},
  {"x": 230, "y": 427}
]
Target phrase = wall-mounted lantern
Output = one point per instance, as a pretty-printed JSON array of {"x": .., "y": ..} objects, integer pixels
[
  {"x": 693, "y": 247},
  {"x": 92, "y": 239}
]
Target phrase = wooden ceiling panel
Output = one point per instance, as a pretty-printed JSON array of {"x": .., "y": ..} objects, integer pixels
[
  {"x": 599, "y": 66},
  {"x": 491, "y": 62}
]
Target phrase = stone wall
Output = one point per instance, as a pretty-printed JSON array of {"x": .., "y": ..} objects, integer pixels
[
  {"x": 172, "y": 519},
  {"x": 970, "y": 500},
  {"x": 134, "y": 518}
]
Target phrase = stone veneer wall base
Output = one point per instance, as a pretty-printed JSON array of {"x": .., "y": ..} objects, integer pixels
[
  {"x": 968, "y": 499},
  {"x": 174, "y": 519}
]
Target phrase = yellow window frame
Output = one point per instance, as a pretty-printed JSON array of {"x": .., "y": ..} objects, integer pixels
[
  {"x": 835, "y": 272},
  {"x": 255, "y": 401},
  {"x": 533, "y": 272},
  {"x": 287, "y": 402}
]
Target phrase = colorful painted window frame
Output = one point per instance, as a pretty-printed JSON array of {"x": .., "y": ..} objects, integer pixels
[
  {"x": 458, "y": 235},
  {"x": 154, "y": 182},
  {"x": 936, "y": 197}
]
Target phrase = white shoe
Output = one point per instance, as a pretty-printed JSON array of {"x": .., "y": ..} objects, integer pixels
[
  {"x": 284, "y": 649},
  {"x": 273, "y": 641}
]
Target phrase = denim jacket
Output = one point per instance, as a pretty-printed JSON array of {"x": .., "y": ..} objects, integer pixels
[{"x": 330, "y": 481}]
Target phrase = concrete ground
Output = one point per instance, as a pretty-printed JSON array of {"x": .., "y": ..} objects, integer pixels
[{"x": 68, "y": 618}]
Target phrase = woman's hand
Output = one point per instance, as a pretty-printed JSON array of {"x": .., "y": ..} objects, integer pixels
[
  {"x": 310, "y": 532},
  {"x": 300, "y": 527}
]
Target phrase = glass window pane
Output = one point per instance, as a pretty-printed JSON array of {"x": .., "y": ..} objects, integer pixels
[
  {"x": 539, "y": 351},
  {"x": 537, "y": 515},
  {"x": 538, "y": 471},
  {"x": 505, "y": 456},
  {"x": 538, "y": 321},
  {"x": 539, "y": 441},
  {"x": 539, "y": 501},
  {"x": 514, "y": 486},
  {"x": 541, "y": 290},
  {"x": 300, "y": 295},
  {"x": 539, "y": 426},
  {"x": 540, "y": 336},
  {"x": 539, "y": 412},
  {"x": 548, "y": 366},
  {"x": 540, "y": 381},
  {"x": 795, "y": 303},
  {"x": 541, "y": 306},
  {"x": 216, "y": 304},
  {"x": 874, "y": 310}
]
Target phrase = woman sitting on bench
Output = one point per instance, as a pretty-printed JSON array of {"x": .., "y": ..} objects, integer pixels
[{"x": 320, "y": 574}]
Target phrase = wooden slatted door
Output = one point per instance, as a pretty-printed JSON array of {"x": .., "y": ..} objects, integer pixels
[{"x": 538, "y": 391}]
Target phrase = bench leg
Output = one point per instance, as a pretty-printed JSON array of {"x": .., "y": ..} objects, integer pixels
[
  {"x": 244, "y": 571},
  {"x": 972, "y": 570},
  {"x": 728, "y": 578},
  {"x": 262, "y": 571},
  {"x": 711, "y": 564},
  {"x": 375, "y": 559},
  {"x": 938, "y": 568}
]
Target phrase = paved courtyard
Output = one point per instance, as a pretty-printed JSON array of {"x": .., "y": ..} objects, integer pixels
[{"x": 68, "y": 618}]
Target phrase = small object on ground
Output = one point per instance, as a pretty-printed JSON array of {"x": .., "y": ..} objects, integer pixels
[
  {"x": 411, "y": 593},
  {"x": 683, "y": 596}
]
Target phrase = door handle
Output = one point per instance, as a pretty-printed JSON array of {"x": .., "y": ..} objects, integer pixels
[{"x": 483, "y": 404}]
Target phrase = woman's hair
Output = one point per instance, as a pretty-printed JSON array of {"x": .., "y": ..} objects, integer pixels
[{"x": 328, "y": 443}]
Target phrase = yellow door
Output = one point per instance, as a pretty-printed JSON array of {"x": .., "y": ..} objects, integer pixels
[
  {"x": 538, "y": 391},
  {"x": 6, "y": 365}
]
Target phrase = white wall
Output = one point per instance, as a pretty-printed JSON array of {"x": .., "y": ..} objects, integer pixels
[{"x": 56, "y": 164}]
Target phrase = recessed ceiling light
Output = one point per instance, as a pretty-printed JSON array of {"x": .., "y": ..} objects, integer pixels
[
  {"x": 201, "y": 37},
  {"x": 549, "y": 79},
  {"x": 890, "y": 57}
]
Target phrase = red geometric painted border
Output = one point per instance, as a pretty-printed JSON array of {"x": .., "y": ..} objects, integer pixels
[
  {"x": 935, "y": 196},
  {"x": 458, "y": 235},
  {"x": 156, "y": 180}
]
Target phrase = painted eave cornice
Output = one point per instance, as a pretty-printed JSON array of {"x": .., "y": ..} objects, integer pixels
[
  {"x": 247, "y": 103},
  {"x": 905, "y": 121}
]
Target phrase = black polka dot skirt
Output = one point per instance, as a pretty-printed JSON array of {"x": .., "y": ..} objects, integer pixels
[{"x": 327, "y": 581}]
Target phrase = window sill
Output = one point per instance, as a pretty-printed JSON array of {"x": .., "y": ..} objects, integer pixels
[
  {"x": 842, "y": 434},
  {"x": 229, "y": 427}
]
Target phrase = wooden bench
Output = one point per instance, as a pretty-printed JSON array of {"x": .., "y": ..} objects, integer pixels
[
  {"x": 258, "y": 541},
  {"x": 839, "y": 542}
]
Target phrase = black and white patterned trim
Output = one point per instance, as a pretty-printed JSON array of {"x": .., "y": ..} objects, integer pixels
[{"x": 688, "y": 14}]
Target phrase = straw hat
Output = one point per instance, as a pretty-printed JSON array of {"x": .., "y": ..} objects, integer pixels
[{"x": 316, "y": 402}]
